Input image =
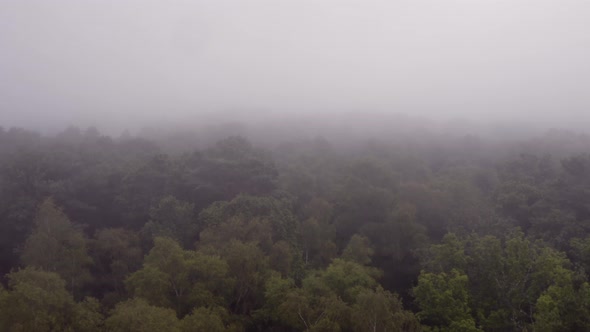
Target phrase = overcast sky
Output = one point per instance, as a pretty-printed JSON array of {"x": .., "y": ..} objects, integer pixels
[{"x": 121, "y": 61}]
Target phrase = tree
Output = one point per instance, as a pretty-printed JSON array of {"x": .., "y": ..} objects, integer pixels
[
  {"x": 57, "y": 245},
  {"x": 174, "y": 219},
  {"x": 37, "y": 301},
  {"x": 136, "y": 315},
  {"x": 396, "y": 243},
  {"x": 345, "y": 279},
  {"x": 142, "y": 185},
  {"x": 236, "y": 167},
  {"x": 305, "y": 312},
  {"x": 116, "y": 253},
  {"x": 246, "y": 209},
  {"x": 497, "y": 281},
  {"x": 358, "y": 250},
  {"x": 248, "y": 266},
  {"x": 343, "y": 296},
  {"x": 88, "y": 316},
  {"x": 380, "y": 310},
  {"x": 256, "y": 230},
  {"x": 563, "y": 308},
  {"x": 446, "y": 256},
  {"x": 359, "y": 203},
  {"x": 444, "y": 300},
  {"x": 180, "y": 279},
  {"x": 283, "y": 258},
  {"x": 317, "y": 241},
  {"x": 205, "y": 319}
]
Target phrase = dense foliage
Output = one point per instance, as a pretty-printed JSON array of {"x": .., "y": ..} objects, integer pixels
[{"x": 423, "y": 234}]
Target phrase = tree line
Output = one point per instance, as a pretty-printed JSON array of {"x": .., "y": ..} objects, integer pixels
[{"x": 457, "y": 233}]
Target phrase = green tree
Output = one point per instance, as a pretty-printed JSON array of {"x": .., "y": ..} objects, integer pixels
[
  {"x": 443, "y": 299},
  {"x": 344, "y": 296},
  {"x": 205, "y": 319},
  {"x": 247, "y": 209},
  {"x": 563, "y": 308},
  {"x": 345, "y": 279},
  {"x": 174, "y": 219},
  {"x": 316, "y": 238},
  {"x": 38, "y": 301},
  {"x": 180, "y": 279},
  {"x": 116, "y": 253},
  {"x": 380, "y": 310},
  {"x": 258, "y": 231},
  {"x": 57, "y": 245},
  {"x": 446, "y": 256},
  {"x": 504, "y": 280},
  {"x": 282, "y": 258},
  {"x": 303, "y": 310},
  {"x": 358, "y": 250},
  {"x": 88, "y": 316},
  {"x": 248, "y": 266},
  {"x": 136, "y": 315}
]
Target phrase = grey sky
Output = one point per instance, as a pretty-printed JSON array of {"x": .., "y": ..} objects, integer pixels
[{"x": 122, "y": 61}]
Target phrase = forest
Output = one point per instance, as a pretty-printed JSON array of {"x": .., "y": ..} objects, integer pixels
[{"x": 436, "y": 232}]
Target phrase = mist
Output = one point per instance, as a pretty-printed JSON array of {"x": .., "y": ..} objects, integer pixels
[
  {"x": 128, "y": 64},
  {"x": 294, "y": 165}
]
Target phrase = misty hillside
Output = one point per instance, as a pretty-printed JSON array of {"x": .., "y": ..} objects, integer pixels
[
  {"x": 294, "y": 165},
  {"x": 435, "y": 232}
]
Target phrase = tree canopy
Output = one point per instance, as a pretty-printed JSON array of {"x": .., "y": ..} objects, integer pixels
[{"x": 432, "y": 234}]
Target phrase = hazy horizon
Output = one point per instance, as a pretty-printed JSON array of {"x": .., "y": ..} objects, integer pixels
[{"x": 128, "y": 64}]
